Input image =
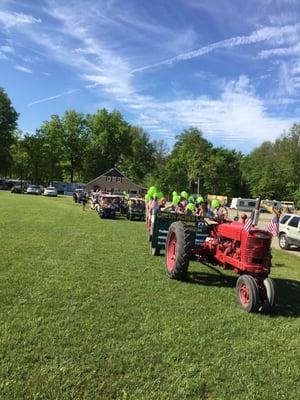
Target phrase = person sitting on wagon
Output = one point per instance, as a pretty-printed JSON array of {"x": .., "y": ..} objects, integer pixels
[
  {"x": 189, "y": 208},
  {"x": 180, "y": 208},
  {"x": 201, "y": 210},
  {"x": 209, "y": 212},
  {"x": 154, "y": 205},
  {"x": 183, "y": 198}
]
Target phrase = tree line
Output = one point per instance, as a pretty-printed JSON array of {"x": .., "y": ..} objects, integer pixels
[{"x": 80, "y": 147}]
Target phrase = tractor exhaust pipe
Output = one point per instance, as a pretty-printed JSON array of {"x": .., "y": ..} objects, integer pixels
[{"x": 256, "y": 211}]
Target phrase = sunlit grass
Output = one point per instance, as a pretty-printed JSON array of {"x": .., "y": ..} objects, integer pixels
[{"x": 87, "y": 313}]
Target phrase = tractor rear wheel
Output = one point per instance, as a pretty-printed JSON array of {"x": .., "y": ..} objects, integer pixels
[
  {"x": 247, "y": 293},
  {"x": 268, "y": 297},
  {"x": 177, "y": 251}
]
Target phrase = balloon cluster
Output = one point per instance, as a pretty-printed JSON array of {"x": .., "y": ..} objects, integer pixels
[
  {"x": 153, "y": 193},
  {"x": 189, "y": 202}
]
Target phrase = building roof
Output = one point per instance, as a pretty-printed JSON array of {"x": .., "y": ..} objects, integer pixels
[{"x": 113, "y": 172}]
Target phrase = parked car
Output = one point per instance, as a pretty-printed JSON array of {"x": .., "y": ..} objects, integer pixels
[
  {"x": 3, "y": 185},
  {"x": 33, "y": 189},
  {"x": 17, "y": 189},
  {"x": 289, "y": 231},
  {"x": 50, "y": 191}
]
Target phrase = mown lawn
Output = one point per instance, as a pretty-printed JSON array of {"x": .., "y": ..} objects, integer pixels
[{"x": 87, "y": 313}]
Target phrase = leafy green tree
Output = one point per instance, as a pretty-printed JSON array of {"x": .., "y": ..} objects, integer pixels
[
  {"x": 21, "y": 161},
  {"x": 287, "y": 160},
  {"x": 223, "y": 173},
  {"x": 52, "y": 133},
  {"x": 193, "y": 151},
  {"x": 138, "y": 161},
  {"x": 186, "y": 163},
  {"x": 273, "y": 169},
  {"x": 8, "y": 125},
  {"x": 74, "y": 142},
  {"x": 33, "y": 146},
  {"x": 172, "y": 176},
  {"x": 109, "y": 143}
]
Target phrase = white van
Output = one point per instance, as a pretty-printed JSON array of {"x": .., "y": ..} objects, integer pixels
[{"x": 240, "y": 204}]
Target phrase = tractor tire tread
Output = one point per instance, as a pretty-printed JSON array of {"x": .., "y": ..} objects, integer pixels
[{"x": 183, "y": 250}]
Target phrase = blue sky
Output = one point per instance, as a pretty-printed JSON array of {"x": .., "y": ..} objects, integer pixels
[{"x": 230, "y": 68}]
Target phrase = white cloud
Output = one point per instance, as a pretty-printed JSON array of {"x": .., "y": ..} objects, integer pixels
[
  {"x": 282, "y": 18},
  {"x": 45, "y": 99},
  {"x": 280, "y": 52},
  {"x": 274, "y": 34},
  {"x": 7, "y": 49},
  {"x": 4, "y": 50},
  {"x": 23, "y": 69},
  {"x": 238, "y": 117},
  {"x": 12, "y": 19}
]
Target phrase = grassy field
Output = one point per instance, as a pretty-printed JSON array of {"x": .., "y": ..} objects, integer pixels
[{"x": 87, "y": 313}]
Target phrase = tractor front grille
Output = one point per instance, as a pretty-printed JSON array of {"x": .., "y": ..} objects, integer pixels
[{"x": 257, "y": 250}]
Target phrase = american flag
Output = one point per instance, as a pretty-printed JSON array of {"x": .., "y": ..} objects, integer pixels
[
  {"x": 249, "y": 223},
  {"x": 273, "y": 226}
]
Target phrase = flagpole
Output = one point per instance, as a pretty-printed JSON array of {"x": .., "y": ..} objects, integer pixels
[{"x": 256, "y": 211}]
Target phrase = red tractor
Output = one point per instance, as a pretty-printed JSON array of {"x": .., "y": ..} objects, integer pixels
[{"x": 230, "y": 244}]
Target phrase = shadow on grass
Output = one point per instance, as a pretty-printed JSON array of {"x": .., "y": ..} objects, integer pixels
[
  {"x": 215, "y": 279},
  {"x": 287, "y": 298},
  {"x": 287, "y": 291}
]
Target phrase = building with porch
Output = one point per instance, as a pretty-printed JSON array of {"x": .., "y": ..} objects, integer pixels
[{"x": 113, "y": 181}]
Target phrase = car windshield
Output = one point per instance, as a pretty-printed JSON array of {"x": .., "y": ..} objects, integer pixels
[{"x": 34, "y": 187}]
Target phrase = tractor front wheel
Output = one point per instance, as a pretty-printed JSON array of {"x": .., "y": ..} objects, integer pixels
[
  {"x": 177, "y": 251},
  {"x": 268, "y": 295},
  {"x": 247, "y": 293}
]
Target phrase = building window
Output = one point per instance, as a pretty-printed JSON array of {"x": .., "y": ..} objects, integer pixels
[
  {"x": 119, "y": 179},
  {"x": 108, "y": 179}
]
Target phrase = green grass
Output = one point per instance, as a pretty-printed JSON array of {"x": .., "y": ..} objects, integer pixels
[{"x": 87, "y": 313}]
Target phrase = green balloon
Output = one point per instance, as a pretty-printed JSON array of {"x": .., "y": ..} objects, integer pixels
[
  {"x": 160, "y": 195},
  {"x": 191, "y": 207},
  {"x": 184, "y": 194},
  {"x": 215, "y": 203},
  {"x": 147, "y": 197},
  {"x": 191, "y": 198},
  {"x": 176, "y": 200},
  {"x": 152, "y": 190},
  {"x": 155, "y": 195},
  {"x": 200, "y": 199},
  {"x": 174, "y": 193}
]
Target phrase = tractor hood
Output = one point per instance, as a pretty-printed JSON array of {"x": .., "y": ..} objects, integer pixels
[
  {"x": 231, "y": 230},
  {"x": 234, "y": 230}
]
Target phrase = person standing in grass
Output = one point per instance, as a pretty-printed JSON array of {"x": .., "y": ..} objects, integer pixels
[{"x": 84, "y": 200}]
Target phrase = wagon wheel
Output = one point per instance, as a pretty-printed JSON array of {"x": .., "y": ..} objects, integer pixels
[
  {"x": 247, "y": 293},
  {"x": 268, "y": 295},
  {"x": 177, "y": 251}
]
